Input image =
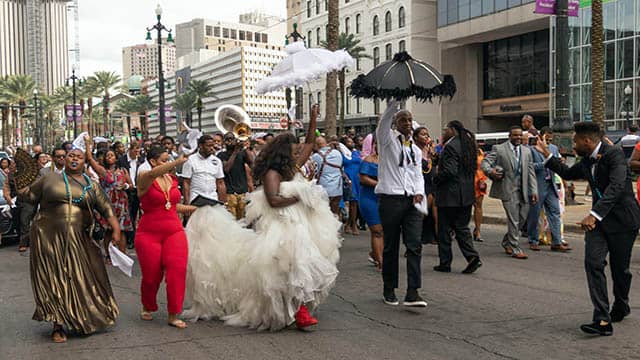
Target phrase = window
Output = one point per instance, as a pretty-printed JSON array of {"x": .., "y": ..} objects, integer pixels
[
  {"x": 310, "y": 102},
  {"x": 347, "y": 22},
  {"x": 347, "y": 101},
  {"x": 318, "y": 7},
  {"x": 234, "y": 34},
  {"x": 216, "y": 31},
  {"x": 402, "y": 46},
  {"x": 376, "y": 56},
  {"x": 338, "y": 101},
  {"x": 387, "y": 21},
  {"x": 387, "y": 52},
  {"x": 401, "y": 17},
  {"x": 256, "y": 37},
  {"x": 317, "y": 36},
  {"x": 209, "y": 30},
  {"x": 308, "y": 9},
  {"x": 376, "y": 106},
  {"x": 309, "y": 37},
  {"x": 376, "y": 25},
  {"x": 241, "y": 35},
  {"x": 358, "y": 106},
  {"x": 248, "y": 35},
  {"x": 358, "y": 18},
  {"x": 319, "y": 102},
  {"x": 265, "y": 38},
  {"x": 225, "y": 33}
]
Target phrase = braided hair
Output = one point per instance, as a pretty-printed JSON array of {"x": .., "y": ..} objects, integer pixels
[{"x": 469, "y": 154}]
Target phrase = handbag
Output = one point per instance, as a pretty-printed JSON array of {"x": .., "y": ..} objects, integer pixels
[{"x": 201, "y": 201}]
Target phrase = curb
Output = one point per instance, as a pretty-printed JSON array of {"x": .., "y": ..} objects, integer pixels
[{"x": 572, "y": 228}]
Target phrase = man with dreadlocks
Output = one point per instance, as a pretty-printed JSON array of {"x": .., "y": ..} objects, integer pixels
[{"x": 455, "y": 195}]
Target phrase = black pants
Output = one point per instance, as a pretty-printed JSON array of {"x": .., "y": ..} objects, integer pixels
[
  {"x": 26, "y": 212},
  {"x": 399, "y": 216},
  {"x": 619, "y": 246},
  {"x": 456, "y": 219},
  {"x": 134, "y": 208}
]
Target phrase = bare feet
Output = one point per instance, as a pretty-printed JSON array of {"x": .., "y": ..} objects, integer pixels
[
  {"x": 58, "y": 336},
  {"x": 354, "y": 230}
]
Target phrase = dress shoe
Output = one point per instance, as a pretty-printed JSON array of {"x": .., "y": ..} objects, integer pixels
[
  {"x": 618, "y": 314},
  {"x": 304, "y": 320},
  {"x": 597, "y": 328},
  {"x": 560, "y": 248},
  {"x": 521, "y": 256},
  {"x": 442, "y": 268},
  {"x": 534, "y": 247},
  {"x": 412, "y": 299},
  {"x": 473, "y": 265},
  {"x": 390, "y": 298},
  {"x": 508, "y": 250}
]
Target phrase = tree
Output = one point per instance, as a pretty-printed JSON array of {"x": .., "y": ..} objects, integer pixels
[
  {"x": 4, "y": 105},
  {"x": 104, "y": 81},
  {"x": 142, "y": 104},
  {"x": 597, "y": 63},
  {"x": 126, "y": 107},
  {"x": 330, "y": 88},
  {"x": 351, "y": 45},
  {"x": 17, "y": 90},
  {"x": 90, "y": 91},
  {"x": 185, "y": 103},
  {"x": 202, "y": 89}
]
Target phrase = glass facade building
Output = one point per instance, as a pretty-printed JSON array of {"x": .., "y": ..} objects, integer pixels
[
  {"x": 454, "y": 11},
  {"x": 621, "y": 21}
]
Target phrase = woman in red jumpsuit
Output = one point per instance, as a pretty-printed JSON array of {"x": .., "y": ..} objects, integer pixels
[{"x": 161, "y": 243}]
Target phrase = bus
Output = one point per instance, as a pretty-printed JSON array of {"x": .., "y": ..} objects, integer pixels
[{"x": 486, "y": 141}]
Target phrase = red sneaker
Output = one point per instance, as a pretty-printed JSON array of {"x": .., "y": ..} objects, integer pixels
[{"x": 304, "y": 320}]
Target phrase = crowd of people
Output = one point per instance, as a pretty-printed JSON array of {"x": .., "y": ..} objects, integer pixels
[{"x": 164, "y": 198}]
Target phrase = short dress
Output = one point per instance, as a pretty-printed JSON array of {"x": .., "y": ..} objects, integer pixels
[
  {"x": 368, "y": 201},
  {"x": 118, "y": 197}
]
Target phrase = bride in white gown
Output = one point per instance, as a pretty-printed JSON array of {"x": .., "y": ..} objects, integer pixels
[{"x": 273, "y": 276}]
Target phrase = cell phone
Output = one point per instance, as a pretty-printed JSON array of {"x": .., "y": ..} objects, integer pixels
[{"x": 533, "y": 141}]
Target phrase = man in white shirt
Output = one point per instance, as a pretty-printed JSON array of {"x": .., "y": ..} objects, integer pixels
[
  {"x": 400, "y": 187},
  {"x": 203, "y": 173}
]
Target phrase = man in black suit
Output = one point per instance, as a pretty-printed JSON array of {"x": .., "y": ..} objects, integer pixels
[
  {"x": 131, "y": 161},
  {"x": 455, "y": 195},
  {"x": 610, "y": 227}
]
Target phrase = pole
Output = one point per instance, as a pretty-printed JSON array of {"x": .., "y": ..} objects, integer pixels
[
  {"x": 163, "y": 125},
  {"x": 562, "y": 122},
  {"x": 297, "y": 90},
  {"x": 73, "y": 82},
  {"x": 35, "y": 117}
]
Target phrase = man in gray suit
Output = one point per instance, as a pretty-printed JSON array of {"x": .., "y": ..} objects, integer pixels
[{"x": 510, "y": 167}]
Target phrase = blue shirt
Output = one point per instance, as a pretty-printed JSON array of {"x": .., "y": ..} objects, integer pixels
[{"x": 331, "y": 177}]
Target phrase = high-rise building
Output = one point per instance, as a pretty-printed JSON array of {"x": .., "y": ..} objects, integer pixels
[
  {"x": 254, "y": 29},
  {"x": 233, "y": 75},
  {"x": 34, "y": 41},
  {"x": 384, "y": 27},
  {"x": 294, "y": 14},
  {"x": 143, "y": 60}
]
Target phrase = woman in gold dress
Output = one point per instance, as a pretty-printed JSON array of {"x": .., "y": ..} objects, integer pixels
[{"x": 68, "y": 276}]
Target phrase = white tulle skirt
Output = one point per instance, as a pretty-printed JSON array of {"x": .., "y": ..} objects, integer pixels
[{"x": 258, "y": 279}]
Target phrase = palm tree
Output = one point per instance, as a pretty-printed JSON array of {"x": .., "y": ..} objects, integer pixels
[
  {"x": 126, "y": 107},
  {"x": 104, "y": 81},
  {"x": 142, "y": 104},
  {"x": 351, "y": 45},
  {"x": 63, "y": 96},
  {"x": 330, "y": 88},
  {"x": 202, "y": 89},
  {"x": 18, "y": 89},
  {"x": 4, "y": 104},
  {"x": 185, "y": 103},
  {"x": 597, "y": 63},
  {"x": 90, "y": 91}
]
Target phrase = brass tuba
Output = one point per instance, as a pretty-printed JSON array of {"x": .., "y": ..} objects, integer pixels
[{"x": 232, "y": 118}]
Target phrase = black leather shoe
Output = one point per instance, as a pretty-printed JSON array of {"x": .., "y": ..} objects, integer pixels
[
  {"x": 597, "y": 329},
  {"x": 618, "y": 314},
  {"x": 390, "y": 298},
  {"x": 442, "y": 268},
  {"x": 412, "y": 299},
  {"x": 473, "y": 265}
]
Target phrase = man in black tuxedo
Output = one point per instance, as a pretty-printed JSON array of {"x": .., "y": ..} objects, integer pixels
[
  {"x": 131, "y": 161},
  {"x": 455, "y": 195},
  {"x": 612, "y": 224}
]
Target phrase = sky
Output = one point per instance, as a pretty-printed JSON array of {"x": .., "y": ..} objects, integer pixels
[{"x": 106, "y": 27}]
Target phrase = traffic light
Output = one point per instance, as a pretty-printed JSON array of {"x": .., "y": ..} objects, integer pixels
[{"x": 136, "y": 133}]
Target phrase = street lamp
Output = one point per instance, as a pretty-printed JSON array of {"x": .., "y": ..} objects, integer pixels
[
  {"x": 159, "y": 27},
  {"x": 73, "y": 79},
  {"x": 628, "y": 104},
  {"x": 295, "y": 35},
  {"x": 35, "y": 116}
]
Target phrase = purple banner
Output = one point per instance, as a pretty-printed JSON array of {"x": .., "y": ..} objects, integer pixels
[
  {"x": 548, "y": 7},
  {"x": 69, "y": 109}
]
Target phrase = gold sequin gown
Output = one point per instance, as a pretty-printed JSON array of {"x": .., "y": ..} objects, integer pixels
[{"x": 68, "y": 275}]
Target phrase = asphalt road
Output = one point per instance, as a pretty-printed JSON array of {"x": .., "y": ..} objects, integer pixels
[{"x": 510, "y": 309}]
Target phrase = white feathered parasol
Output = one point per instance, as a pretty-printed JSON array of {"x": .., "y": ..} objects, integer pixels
[{"x": 303, "y": 65}]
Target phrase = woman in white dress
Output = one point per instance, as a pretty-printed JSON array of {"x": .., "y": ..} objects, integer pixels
[{"x": 271, "y": 277}]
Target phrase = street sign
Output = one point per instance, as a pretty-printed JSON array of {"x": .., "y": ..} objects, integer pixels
[{"x": 284, "y": 122}]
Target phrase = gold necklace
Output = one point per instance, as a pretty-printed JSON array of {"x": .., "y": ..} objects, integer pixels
[{"x": 167, "y": 197}]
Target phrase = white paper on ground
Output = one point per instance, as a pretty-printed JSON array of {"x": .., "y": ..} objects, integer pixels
[{"x": 120, "y": 260}]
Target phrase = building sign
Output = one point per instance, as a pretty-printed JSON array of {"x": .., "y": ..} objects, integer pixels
[
  {"x": 265, "y": 123},
  {"x": 506, "y": 108},
  {"x": 549, "y": 7}
]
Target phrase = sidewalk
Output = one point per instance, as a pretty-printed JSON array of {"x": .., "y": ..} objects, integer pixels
[{"x": 494, "y": 213}]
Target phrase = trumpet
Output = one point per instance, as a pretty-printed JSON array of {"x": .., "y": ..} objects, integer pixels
[{"x": 233, "y": 119}]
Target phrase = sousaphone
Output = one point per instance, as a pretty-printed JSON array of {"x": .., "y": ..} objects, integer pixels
[{"x": 233, "y": 119}]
